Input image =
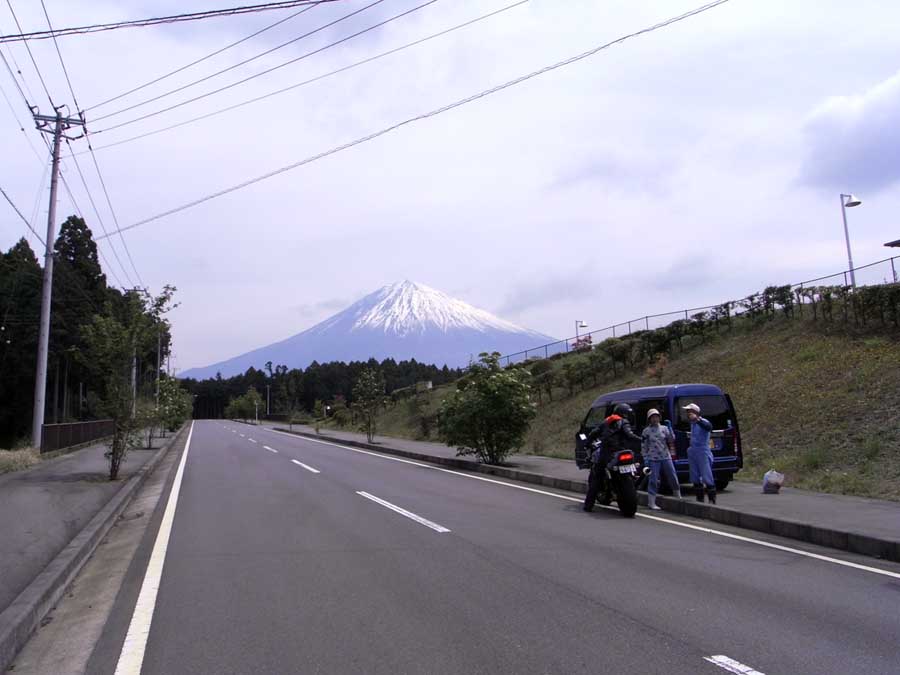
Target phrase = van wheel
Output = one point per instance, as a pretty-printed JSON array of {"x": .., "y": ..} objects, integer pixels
[{"x": 722, "y": 483}]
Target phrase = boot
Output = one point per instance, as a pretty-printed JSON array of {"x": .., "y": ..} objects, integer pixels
[
  {"x": 651, "y": 503},
  {"x": 698, "y": 492},
  {"x": 711, "y": 491}
]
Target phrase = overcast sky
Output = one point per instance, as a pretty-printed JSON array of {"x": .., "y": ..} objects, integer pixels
[{"x": 682, "y": 168}]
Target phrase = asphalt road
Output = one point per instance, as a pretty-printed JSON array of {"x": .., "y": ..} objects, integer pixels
[{"x": 273, "y": 568}]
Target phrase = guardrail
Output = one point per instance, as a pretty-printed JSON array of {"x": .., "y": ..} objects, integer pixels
[{"x": 65, "y": 435}]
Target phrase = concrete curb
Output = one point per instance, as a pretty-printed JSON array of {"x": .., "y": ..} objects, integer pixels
[
  {"x": 782, "y": 527},
  {"x": 24, "y": 614}
]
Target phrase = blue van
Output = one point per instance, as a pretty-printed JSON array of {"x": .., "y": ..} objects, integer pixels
[{"x": 715, "y": 405}]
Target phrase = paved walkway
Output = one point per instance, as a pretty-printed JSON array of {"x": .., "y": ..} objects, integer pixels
[
  {"x": 869, "y": 517},
  {"x": 43, "y": 508}
]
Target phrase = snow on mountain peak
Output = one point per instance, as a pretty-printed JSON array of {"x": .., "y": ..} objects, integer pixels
[{"x": 407, "y": 307}]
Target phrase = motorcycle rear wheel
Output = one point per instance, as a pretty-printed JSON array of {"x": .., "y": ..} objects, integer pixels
[{"x": 626, "y": 497}]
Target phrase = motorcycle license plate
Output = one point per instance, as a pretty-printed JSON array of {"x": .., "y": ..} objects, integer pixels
[{"x": 626, "y": 468}]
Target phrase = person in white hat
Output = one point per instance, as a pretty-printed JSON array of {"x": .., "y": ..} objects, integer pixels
[
  {"x": 657, "y": 444},
  {"x": 699, "y": 455}
]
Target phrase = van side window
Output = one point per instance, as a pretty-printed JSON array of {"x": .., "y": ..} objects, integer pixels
[
  {"x": 713, "y": 408},
  {"x": 640, "y": 412}
]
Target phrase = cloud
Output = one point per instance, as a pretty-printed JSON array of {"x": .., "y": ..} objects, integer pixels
[
  {"x": 550, "y": 291},
  {"x": 317, "y": 308},
  {"x": 854, "y": 141},
  {"x": 644, "y": 175}
]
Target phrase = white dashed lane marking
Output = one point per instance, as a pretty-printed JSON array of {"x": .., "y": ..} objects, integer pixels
[
  {"x": 306, "y": 466},
  {"x": 731, "y": 665},
  {"x": 404, "y": 512}
]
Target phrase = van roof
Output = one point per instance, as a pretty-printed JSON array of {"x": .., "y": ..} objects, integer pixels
[{"x": 662, "y": 391}]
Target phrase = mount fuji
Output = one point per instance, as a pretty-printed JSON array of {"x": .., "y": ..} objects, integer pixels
[{"x": 404, "y": 320}]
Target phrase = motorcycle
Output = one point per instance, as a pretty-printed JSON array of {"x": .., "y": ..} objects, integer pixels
[{"x": 616, "y": 479}]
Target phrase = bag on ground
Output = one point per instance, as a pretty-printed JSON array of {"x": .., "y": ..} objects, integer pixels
[{"x": 772, "y": 482}]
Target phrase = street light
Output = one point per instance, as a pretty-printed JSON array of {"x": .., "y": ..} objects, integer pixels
[
  {"x": 849, "y": 201},
  {"x": 579, "y": 324}
]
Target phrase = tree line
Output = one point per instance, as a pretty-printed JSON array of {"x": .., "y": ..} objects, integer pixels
[
  {"x": 89, "y": 317},
  {"x": 294, "y": 390}
]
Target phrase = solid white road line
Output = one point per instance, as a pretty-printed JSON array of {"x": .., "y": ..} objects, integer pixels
[
  {"x": 404, "y": 512},
  {"x": 306, "y": 466},
  {"x": 688, "y": 526},
  {"x": 131, "y": 658},
  {"x": 732, "y": 666}
]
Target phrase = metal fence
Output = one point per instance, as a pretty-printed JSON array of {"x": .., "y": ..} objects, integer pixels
[
  {"x": 874, "y": 274},
  {"x": 58, "y": 436}
]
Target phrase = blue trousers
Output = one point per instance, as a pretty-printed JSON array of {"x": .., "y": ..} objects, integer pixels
[
  {"x": 700, "y": 463},
  {"x": 667, "y": 469}
]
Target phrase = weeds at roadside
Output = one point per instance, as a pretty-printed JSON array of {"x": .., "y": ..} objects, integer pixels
[{"x": 16, "y": 460}]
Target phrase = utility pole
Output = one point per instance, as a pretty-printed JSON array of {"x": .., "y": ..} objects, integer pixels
[
  {"x": 158, "y": 359},
  {"x": 60, "y": 124}
]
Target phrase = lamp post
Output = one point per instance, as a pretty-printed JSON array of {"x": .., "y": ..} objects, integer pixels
[
  {"x": 891, "y": 244},
  {"x": 849, "y": 201},
  {"x": 579, "y": 324}
]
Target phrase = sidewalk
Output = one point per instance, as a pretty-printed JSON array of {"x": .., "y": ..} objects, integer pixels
[
  {"x": 856, "y": 524},
  {"x": 45, "y": 507},
  {"x": 54, "y": 515}
]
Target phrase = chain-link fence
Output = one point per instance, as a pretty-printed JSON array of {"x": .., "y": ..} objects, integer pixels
[{"x": 874, "y": 274}]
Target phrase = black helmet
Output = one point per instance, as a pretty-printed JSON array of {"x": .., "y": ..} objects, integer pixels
[{"x": 623, "y": 410}]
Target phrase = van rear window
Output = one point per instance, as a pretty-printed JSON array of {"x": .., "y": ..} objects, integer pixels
[
  {"x": 713, "y": 408},
  {"x": 595, "y": 417}
]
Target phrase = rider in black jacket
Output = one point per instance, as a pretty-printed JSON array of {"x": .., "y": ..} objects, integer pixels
[{"x": 614, "y": 432}]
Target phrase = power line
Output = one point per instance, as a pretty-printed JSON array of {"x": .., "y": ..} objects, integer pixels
[
  {"x": 113, "y": 212},
  {"x": 241, "y": 63},
  {"x": 24, "y": 219},
  {"x": 317, "y": 78},
  {"x": 140, "y": 23},
  {"x": 61, "y": 62},
  {"x": 19, "y": 71},
  {"x": 433, "y": 113},
  {"x": 12, "y": 110},
  {"x": 97, "y": 213},
  {"x": 80, "y": 214},
  {"x": 205, "y": 58},
  {"x": 274, "y": 68},
  {"x": 12, "y": 75},
  {"x": 94, "y": 157},
  {"x": 31, "y": 56}
]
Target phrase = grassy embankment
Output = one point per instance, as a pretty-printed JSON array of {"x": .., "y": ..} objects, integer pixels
[{"x": 821, "y": 405}]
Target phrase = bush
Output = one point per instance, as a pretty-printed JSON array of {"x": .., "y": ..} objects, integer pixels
[{"x": 491, "y": 416}]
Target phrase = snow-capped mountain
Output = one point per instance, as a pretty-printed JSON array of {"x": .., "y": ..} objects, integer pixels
[{"x": 404, "y": 320}]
